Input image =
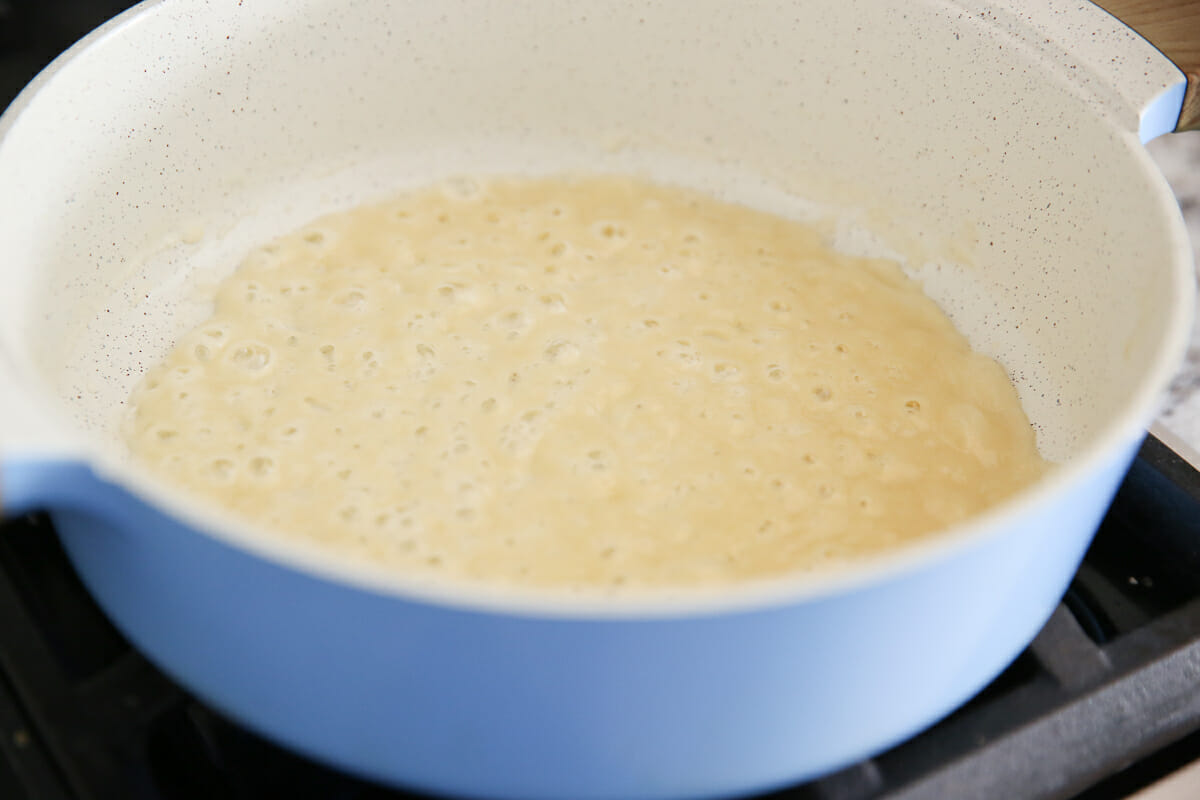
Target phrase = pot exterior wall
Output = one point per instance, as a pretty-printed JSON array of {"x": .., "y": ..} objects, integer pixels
[{"x": 485, "y": 703}]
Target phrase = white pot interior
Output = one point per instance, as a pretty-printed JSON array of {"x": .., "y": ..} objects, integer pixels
[{"x": 185, "y": 134}]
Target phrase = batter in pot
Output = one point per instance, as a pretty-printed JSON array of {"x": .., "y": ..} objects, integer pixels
[{"x": 581, "y": 381}]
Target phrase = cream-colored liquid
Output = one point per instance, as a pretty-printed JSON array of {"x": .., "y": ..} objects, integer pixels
[{"x": 588, "y": 381}]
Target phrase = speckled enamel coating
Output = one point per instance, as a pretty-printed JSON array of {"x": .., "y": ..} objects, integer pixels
[
  {"x": 1112, "y": 61},
  {"x": 997, "y": 156},
  {"x": 1179, "y": 159}
]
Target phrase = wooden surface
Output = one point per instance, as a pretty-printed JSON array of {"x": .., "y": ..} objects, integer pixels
[{"x": 1173, "y": 26}]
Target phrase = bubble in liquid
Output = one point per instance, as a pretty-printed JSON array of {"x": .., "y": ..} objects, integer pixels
[
  {"x": 316, "y": 404},
  {"x": 688, "y": 358},
  {"x": 352, "y": 300},
  {"x": 221, "y": 468},
  {"x": 610, "y": 230},
  {"x": 314, "y": 237},
  {"x": 261, "y": 466},
  {"x": 822, "y": 393},
  {"x": 912, "y": 406},
  {"x": 779, "y": 306},
  {"x": 515, "y": 321},
  {"x": 562, "y": 351},
  {"x": 724, "y": 371},
  {"x": 252, "y": 357}
]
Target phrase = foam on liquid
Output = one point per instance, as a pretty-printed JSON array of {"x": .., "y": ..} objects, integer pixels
[{"x": 581, "y": 382}]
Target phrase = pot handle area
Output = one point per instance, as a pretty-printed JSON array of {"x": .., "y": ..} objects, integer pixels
[
  {"x": 1173, "y": 26},
  {"x": 35, "y": 446}
]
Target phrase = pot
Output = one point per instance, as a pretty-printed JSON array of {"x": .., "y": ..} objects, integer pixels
[{"x": 995, "y": 150}]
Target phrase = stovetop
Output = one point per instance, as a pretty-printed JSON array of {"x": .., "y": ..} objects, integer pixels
[
  {"x": 1104, "y": 701},
  {"x": 1113, "y": 680}
]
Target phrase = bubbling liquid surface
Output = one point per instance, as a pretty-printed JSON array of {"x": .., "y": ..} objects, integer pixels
[{"x": 581, "y": 382}]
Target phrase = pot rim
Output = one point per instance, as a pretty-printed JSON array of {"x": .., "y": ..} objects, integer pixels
[{"x": 1112, "y": 442}]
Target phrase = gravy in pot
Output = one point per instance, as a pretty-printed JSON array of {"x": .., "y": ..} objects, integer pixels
[{"x": 581, "y": 381}]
